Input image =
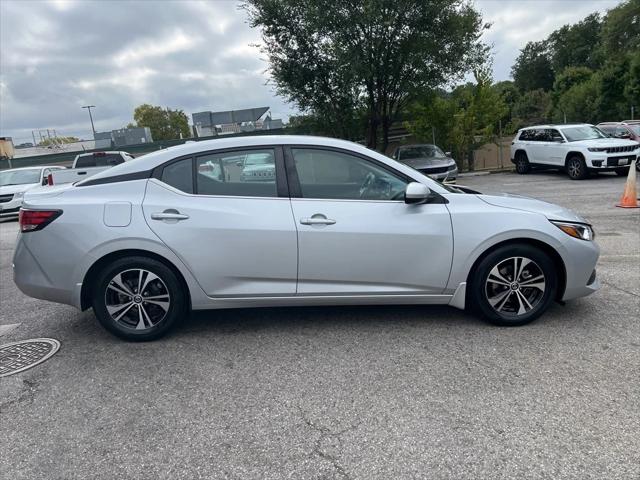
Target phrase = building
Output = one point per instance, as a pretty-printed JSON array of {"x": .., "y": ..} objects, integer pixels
[
  {"x": 207, "y": 124},
  {"x": 123, "y": 137}
]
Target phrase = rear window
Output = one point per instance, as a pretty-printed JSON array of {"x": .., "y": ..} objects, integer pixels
[{"x": 103, "y": 160}]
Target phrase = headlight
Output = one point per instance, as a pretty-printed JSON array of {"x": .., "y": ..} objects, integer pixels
[
  {"x": 576, "y": 230},
  {"x": 18, "y": 196},
  {"x": 452, "y": 167},
  {"x": 597, "y": 149}
]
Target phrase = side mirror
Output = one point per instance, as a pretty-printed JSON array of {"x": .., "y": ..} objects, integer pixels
[
  {"x": 448, "y": 154},
  {"x": 558, "y": 140},
  {"x": 416, "y": 193}
]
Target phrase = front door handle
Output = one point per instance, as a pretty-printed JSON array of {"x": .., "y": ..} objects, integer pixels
[
  {"x": 169, "y": 214},
  {"x": 317, "y": 219}
]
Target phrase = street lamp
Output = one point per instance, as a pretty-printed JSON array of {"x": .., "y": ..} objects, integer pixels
[{"x": 89, "y": 107}]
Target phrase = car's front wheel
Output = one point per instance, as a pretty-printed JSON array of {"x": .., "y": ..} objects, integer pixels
[
  {"x": 514, "y": 285},
  {"x": 577, "y": 168},
  {"x": 522, "y": 163},
  {"x": 138, "y": 298}
]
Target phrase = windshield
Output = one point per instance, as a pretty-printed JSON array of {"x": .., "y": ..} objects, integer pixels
[
  {"x": 19, "y": 177},
  {"x": 575, "y": 134},
  {"x": 420, "y": 151},
  {"x": 634, "y": 128}
]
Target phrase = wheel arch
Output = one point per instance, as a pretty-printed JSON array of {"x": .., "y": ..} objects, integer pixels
[
  {"x": 519, "y": 151},
  {"x": 93, "y": 271},
  {"x": 545, "y": 247},
  {"x": 571, "y": 154}
]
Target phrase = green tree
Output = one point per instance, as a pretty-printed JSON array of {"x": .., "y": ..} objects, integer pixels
[
  {"x": 621, "y": 30},
  {"x": 332, "y": 58},
  {"x": 532, "y": 69},
  {"x": 466, "y": 119},
  {"x": 573, "y": 45},
  {"x": 164, "y": 123},
  {"x": 532, "y": 107},
  {"x": 580, "y": 103}
]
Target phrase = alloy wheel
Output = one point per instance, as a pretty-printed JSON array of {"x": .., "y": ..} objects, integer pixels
[
  {"x": 515, "y": 286},
  {"x": 574, "y": 168},
  {"x": 137, "y": 299}
]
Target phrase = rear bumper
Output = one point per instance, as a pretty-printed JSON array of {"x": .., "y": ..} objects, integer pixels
[{"x": 31, "y": 279}]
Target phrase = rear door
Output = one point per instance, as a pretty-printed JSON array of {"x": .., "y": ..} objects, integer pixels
[
  {"x": 356, "y": 235},
  {"x": 231, "y": 227}
]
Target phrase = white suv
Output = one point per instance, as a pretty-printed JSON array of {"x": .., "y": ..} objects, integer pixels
[{"x": 576, "y": 148}]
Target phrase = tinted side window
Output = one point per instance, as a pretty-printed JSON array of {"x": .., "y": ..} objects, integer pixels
[
  {"x": 526, "y": 135},
  {"x": 554, "y": 135},
  {"x": 337, "y": 175},
  {"x": 243, "y": 173},
  {"x": 179, "y": 175}
]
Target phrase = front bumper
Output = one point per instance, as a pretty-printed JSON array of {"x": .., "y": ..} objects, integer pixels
[
  {"x": 442, "y": 176},
  {"x": 10, "y": 208},
  {"x": 612, "y": 161},
  {"x": 580, "y": 258}
]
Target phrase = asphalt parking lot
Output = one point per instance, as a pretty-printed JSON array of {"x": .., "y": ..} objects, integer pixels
[{"x": 356, "y": 393}]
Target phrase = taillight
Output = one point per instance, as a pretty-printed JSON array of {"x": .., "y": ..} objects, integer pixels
[
  {"x": 33, "y": 220},
  {"x": 50, "y": 179}
]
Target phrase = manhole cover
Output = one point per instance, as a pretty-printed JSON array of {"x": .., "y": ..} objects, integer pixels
[{"x": 19, "y": 356}]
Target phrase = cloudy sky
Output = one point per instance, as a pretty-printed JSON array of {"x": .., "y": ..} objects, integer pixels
[{"x": 56, "y": 56}]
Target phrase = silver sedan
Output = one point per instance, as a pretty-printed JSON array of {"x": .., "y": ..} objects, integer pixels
[{"x": 145, "y": 242}]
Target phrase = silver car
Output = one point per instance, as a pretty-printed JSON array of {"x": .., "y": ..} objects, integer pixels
[
  {"x": 145, "y": 242},
  {"x": 429, "y": 160}
]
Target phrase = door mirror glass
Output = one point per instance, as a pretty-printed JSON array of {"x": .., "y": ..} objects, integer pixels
[
  {"x": 416, "y": 193},
  {"x": 448, "y": 154}
]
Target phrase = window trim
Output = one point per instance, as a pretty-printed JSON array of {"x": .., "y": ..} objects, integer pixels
[
  {"x": 282, "y": 186},
  {"x": 294, "y": 181}
]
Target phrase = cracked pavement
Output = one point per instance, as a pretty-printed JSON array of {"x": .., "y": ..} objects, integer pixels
[{"x": 335, "y": 393}]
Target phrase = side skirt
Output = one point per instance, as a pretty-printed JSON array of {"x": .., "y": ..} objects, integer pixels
[{"x": 324, "y": 300}]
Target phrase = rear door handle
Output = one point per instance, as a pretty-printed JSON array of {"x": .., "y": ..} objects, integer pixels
[
  {"x": 317, "y": 219},
  {"x": 169, "y": 214}
]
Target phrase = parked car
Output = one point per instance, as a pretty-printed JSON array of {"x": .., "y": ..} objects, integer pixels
[
  {"x": 339, "y": 224},
  {"x": 626, "y": 129},
  {"x": 429, "y": 160},
  {"x": 576, "y": 148},
  {"x": 16, "y": 181},
  {"x": 87, "y": 164}
]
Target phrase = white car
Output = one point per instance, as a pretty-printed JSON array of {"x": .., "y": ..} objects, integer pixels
[
  {"x": 87, "y": 164},
  {"x": 16, "y": 181},
  {"x": 576, "y": 148}
]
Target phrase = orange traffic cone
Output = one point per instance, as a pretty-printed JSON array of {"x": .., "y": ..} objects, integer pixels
[{"x": 629, "y": 196}]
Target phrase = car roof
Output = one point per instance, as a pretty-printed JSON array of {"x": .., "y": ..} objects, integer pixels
[
  {"x": 117, "y": 152},
  {"x": 558, "y": 125}
]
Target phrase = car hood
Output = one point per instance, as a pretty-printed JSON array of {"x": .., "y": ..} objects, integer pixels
[
  {"x": 427, "y": 162},
  {"x": 517, "y": 202},
  {"x": 9, "y": 189},
  {"x": 605, "y": 142}
]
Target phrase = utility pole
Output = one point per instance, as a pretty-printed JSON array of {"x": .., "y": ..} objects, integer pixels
[
  {"x": 433, "y": 134},
  {"x": 89, "y": 107},
  {"x": 500, "y": 142},
  {"x": 35, "y": 144},
  {"x": 632, "y": 111}
]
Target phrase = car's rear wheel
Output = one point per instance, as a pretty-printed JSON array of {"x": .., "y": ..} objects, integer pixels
[
  {"x": 522, "y": 163},
  {"x": 622, "y": 172},
  {"x": 514, "y": 285},
  {"x": 138, "y": 298},
  {"x": 577, "y": 168}
]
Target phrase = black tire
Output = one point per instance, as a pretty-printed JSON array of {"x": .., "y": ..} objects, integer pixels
[
  {"x": 622, "y": 172},
  {"x": 638, "y": 164},
  {"x": 577, "y": 168},
  {"x": 484, "y": 291},
  {"x": 522, "y": 163},
  {"x": 142, "y": 320}
]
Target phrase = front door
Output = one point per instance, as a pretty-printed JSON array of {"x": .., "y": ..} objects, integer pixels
[
  {"x": 355, "y": 233},
  {"x": 228, "y": 220}
]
